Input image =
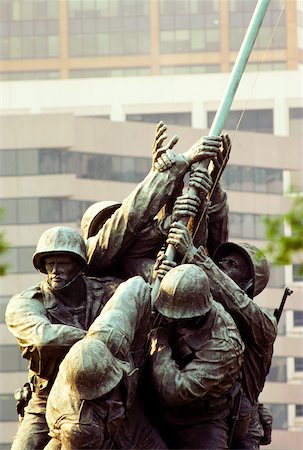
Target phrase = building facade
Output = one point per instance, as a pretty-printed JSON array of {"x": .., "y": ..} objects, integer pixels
[{"x": 78, "y": 76}]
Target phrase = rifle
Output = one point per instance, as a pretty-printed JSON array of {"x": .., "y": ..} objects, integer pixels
[{"x": 278, "y": 311}]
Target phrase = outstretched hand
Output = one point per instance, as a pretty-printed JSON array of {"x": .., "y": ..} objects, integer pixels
[
  {"x": 162, "y": 155},
  {"x": 206, "y": 147}
]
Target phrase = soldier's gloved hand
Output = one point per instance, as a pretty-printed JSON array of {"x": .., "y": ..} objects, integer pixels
[
  {"x": 222, "y": 157},
  {"x": 185, "y": 206},
  {"x": 181, "y": 239},
  {"x": 162, "y": 265},
  {"x": 200, "y": 180},
  {"x": 206, "y": 147},
  {"x": 162, "y": 155}
]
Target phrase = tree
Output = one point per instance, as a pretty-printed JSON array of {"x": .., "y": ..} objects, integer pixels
[{"x": 285, "y": 248}]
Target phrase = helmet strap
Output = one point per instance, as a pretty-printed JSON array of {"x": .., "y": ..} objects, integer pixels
[{"x": 68, "y": 283}]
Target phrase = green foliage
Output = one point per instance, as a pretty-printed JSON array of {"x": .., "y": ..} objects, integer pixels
[
  {"x": 282, "y": 248},
  {"x": 3, "y": 249}
]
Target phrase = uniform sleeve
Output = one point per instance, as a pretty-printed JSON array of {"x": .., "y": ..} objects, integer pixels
[
  {"x": 207, "y": 374},
  {"x": 254, "y": 322},
  {"x": 27, "y": 321},
  {"x": 135, "y": 213}
]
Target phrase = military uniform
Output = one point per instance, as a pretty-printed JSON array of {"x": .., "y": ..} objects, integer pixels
[
  {"x": 258, "y": 328},
  {"x": 45, "y": 330},
  {"x": 195, "y": 368},
  {"x": 93, "y": 402}
]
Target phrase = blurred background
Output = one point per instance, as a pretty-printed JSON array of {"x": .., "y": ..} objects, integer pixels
[{"x": 83, "y": 85}]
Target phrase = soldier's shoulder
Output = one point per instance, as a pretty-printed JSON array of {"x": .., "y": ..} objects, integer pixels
[
  {"x": 103, "y": 283},
  {"x": 30, "y": 293}
]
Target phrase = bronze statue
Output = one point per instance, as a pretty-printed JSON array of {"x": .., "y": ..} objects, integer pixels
[
  {"x": 237, "y": 273},
  {"x": 195, "y": 360}
]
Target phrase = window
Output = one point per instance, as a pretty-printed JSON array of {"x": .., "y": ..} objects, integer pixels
[
  {"x": 8, "y": 408},
  {"x": 248, "y": 226},
  {"x": 296, "y": 121},
  {"x": 299, "y": 364},
  {"x": 298, "y": 318},
  {"x": 299, "y": 410},
  {"x": 18, "y": 259},
  {"x": 278, "y": 370},
  {"x": 297, "y": 272},
  {"x": 280, "y": 416},
  {"x": 168, "y": 118},
  {"x": 277, "y": 277},
  {"x": 260, "y": 121},
  {"x": 253, "y": 179},
  {"x": 13, "y": 360},
  {"x": 3, "y": 304}
]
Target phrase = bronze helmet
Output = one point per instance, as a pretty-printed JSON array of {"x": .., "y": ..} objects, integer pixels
[
  {"x": 95, "y": 216},
  {"x": 59, "y": 240},
  {"x": 258, "y": 263},
  {"x": 184, "y": 293}
]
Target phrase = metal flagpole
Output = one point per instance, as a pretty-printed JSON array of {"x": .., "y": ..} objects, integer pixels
[{"x": 227, "y": 99}]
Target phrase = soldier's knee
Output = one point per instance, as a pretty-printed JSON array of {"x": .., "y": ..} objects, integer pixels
[{"x": 76, "y": 436}]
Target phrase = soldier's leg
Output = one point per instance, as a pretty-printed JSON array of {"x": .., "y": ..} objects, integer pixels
[
  {"x": 32, "y": 433},
  {"x": 137, "y": 432}
]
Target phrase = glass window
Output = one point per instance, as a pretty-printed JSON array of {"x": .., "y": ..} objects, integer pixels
[
  {"x": 72, "y": 211},
  {"x": 25, "y": 256},
  {"x": 260, "y": 180},
  {"x": 260, "y": 232},
  {"x": 296, "y": 121},
  {"x": 53, "y": 46},
  {"x": 49, "y": 161},
  {"x": 13, "y": 359},
  {"x": 248, "y": 178},
  {"x": 280, "y": 416},
  {"x": 8, "y": 408},
  {"x": 299, "y": 410},
  {"x": 299, "y": 364},
  {"x": 277, "y": 278},
  {"x": 3, "y": 304},
  {"x": 248, "y": 225},
  {"x": 10, "y": 259},
  {"x": 50, "y": 210},
  {"x": 235, "y": 225},
  {"x": 278, "y": 370},
  {"x": 27, "y": 161},
  {"x": 8, "y": 162},
  {"x": 28, "y": 210},
  {"x": 10, "y": 213},
  {"x": 298, "y": 318}
]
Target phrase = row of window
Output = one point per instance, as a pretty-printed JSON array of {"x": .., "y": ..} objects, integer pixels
[
  {"x": 124, "y": 168},
  {"x": 42, "y": 210},
  {"x": 103, "y": 27}
]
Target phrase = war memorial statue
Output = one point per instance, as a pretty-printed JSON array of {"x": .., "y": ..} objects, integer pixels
[{"x": 97, "y": 346}]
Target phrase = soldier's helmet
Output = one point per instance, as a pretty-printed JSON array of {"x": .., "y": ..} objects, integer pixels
[
  {"x": 91, "y": 370},
  {"x": 258, "y": 263},
  {"x": 95, "y": 216},
  {"x": 60, "y": 240},
  {"x": 184, "y": 293}
]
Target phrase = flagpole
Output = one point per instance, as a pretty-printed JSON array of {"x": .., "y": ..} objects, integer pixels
[{"x": 227, "y": 99}]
